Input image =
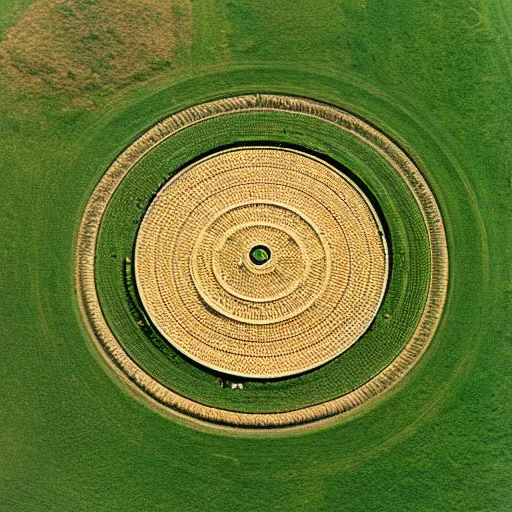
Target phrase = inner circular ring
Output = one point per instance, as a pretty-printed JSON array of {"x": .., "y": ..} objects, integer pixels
[
  {"x": 267, "y": 268},
  {"x": 294, "y": 191}
]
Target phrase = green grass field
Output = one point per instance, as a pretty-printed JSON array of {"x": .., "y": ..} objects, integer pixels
[{"x": 434, "y": 76}]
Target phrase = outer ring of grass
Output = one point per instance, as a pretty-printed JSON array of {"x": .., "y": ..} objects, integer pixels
[{"x": 99, "y": 201}]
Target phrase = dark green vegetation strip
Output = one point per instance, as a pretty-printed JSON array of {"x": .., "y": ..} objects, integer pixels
[{"x": 397, "y": 318}]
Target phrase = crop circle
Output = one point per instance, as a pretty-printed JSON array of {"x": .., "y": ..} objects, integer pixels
[
  {"x": 402, "y": 312},
  {"x": 310, "y": 302}
]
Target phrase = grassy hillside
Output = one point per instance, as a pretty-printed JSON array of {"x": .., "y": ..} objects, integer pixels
[{"x": 435, "y": 76}]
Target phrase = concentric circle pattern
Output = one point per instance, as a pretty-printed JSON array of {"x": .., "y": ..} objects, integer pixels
[
  {"x": 311, "y": 301},
  {"x": 262, "y": 259}
]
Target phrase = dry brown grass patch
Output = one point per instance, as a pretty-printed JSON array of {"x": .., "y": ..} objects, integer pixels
[{"x": 80, "y": 46}]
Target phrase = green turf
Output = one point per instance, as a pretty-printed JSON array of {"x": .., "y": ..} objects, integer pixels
[
  {"x": 259, "y": 255},
  {"x": 434, "y": 75},
  {"x": 11, "y": 10}
]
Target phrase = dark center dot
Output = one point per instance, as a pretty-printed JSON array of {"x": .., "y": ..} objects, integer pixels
[{"x": 259, "y": 254}]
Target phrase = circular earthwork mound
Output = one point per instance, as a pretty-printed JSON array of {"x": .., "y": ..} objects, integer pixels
[{"x": 270, "y": 241}]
